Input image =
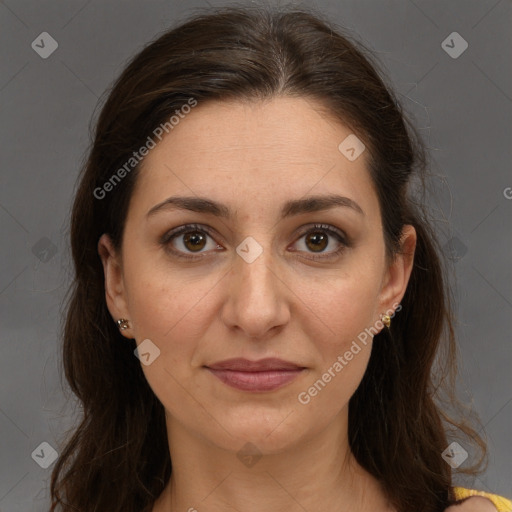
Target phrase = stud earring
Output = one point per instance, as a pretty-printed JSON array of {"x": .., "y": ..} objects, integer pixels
[
  {"x": 386, "y": 320},
  {"x": 122, "y": 323}
]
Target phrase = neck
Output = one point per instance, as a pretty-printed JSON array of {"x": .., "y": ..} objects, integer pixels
[{"x": 320, "y": 473}]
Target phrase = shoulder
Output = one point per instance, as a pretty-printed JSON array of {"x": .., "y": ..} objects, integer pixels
[
  {"x": 471, "y": 500},
  {"x": 474, "y": 504}
]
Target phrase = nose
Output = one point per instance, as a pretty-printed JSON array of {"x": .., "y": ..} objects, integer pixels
[{"x": 256, "y": 297}]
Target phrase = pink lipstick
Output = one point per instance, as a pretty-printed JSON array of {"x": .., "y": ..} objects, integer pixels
[{"x": 263, "y": 375}]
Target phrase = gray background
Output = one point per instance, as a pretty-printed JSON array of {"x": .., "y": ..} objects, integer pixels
[{"x": 461, "y": 105}]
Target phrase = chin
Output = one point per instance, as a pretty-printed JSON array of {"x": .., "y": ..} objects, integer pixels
[{"x": 270, "y": 434}]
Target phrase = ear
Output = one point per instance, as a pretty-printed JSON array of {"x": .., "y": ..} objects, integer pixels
[
  {"x": 396, "y": 277},
  {"x": 114, "y": 282}
]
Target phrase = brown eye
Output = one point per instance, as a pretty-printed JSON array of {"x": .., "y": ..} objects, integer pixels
[
  {"x": 317, "y": 241},
  {"x": 186, "y": 240},
  {"x": 319, "y": 238},
  {"x": 194, "y": 241}
]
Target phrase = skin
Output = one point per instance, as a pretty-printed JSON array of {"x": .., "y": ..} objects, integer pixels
[
  {"x": 474, "y": 504},
  {"x": 253, "y": 157}
]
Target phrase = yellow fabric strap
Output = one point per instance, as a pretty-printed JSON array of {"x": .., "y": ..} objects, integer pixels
[{"x": 501, "y": 503}]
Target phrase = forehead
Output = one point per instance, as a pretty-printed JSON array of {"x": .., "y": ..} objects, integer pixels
[{"x": 259, "y": 152}]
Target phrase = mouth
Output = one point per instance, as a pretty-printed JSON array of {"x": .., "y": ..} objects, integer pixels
[{"x": 263, "y": 375}]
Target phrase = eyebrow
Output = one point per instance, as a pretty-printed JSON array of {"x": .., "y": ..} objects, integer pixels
[{"x": 290, "y": 208}]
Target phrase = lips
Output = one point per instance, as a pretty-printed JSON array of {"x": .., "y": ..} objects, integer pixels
[
  {"x": 244, "y": 365},
  {"x": 263, "y": 375}
]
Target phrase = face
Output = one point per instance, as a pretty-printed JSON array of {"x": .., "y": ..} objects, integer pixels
[{"x": 272, "y": 278}]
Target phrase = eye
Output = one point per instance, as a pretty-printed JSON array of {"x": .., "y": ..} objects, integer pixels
[
  {"x": 190, "y": 240},
  {"x": 187, "y": 240},
  {"x": 320, "y": 237}
]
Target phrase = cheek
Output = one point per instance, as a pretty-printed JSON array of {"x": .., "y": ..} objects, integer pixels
[
  {"x": 173, "y": 308},
  {"x": 342, "y": 307},
  {"x": 344, "y": 311},
  {"x": 343, "y": 350},
  {"x": 327, "y": 393},
  {"x": 171, "y": 312},
  {"x": 159, "y": 308},
  {"x": 169, "y": 309}
]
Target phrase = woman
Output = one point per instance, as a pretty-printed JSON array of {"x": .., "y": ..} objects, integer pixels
[{"x": 259, "y": 296}]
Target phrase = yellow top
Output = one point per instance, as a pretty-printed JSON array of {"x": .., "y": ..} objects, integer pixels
[{"x": 502, "y": 504}]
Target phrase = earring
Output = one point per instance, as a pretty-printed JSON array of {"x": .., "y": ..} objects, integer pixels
[
  {"x": 386, "y": 320},
  {"x": 122, "y": 323}
]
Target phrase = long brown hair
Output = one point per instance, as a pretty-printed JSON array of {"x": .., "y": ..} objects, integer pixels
[{"x": 117, "y": 458}]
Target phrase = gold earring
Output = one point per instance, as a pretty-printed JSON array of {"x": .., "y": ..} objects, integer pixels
[
  {"x": 386, "y": 320},
  {"x": 123, "y": 324}
]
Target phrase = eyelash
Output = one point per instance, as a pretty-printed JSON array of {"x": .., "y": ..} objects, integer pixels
[{"x": 187, "y": 228}]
